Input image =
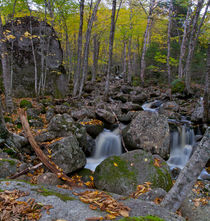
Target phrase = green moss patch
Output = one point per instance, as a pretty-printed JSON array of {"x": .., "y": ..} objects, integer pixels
[
  {"x": 142, "y": 218},
  {"x": 177, "y": 86},
  {"x": 47, "y": 192},
  {"x": 11, "y": 162},
  {"x": 25, "y": 104}
]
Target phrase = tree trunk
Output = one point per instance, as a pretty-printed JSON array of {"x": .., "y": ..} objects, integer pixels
[
  {"x": 86, "y": 48},
  {"x": 6, "y": 70},
  {"x": 4, "y": 133},
  {"x": 184, "y": 40},
  {"x": 169, "y": 42},
  {"x": 79, "y": 50},
  {"x": 192, "y": 43},
  {"x": 111, "y": 42},
  {"x": 96, "y": 47},
  {"x": 143, "y": 63},
  {"x": 188, "y": 175},
  {"x": 124, "y": 61},
  {"x": 206, "y": 118}
]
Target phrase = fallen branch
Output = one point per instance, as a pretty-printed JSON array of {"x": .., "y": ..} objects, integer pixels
[
  {"x": 26, "y": 171},
  {"x": 44, "y": 159}
]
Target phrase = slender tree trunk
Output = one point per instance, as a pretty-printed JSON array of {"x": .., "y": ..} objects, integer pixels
[
  {"x": 86, "y": 48},
  {"x": 4, "y": 133},
  {"x": 6, "y": 70},
  {"x": 192, "y": 43},
  {"x": 96, "y": 46},
  {"x": 169, "y": 42},
  {"x": 206, "y": 117},
  {"x": 124, "y": 61},
  {"x": 143, "y": 62},
  {"x": 79, "y": 50},
  {"x": 111, "y": 42},
  {"x": 188, "y": 175},
  {"x": 184, "y": 39}
]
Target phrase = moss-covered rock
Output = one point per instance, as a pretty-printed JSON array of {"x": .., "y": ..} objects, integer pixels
[
  {"x": 142, "y": 218},
  {"x": 25, "y": 104},
  {"x": 8, "y": 167},
  {"x": 177, "y": 86},
  {"x": 122, "y": 174}
]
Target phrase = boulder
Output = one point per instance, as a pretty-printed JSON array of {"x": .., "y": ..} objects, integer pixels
[
  {"x": 197, "y": 114},
  {"x": 46, "y": 46},
  {"x": 148, "y": 131},
  {"x": 67, "y": 154},
  {"x": 48, "y": 179},
  {"x": 82, "y": 113},
  {"x": 129, "y": 106},
  {"x": 105, "y": 116},
  {"x": 8, "y": 167},
  {"x": 121, "y": 174},
  {"x": 140, "y": 98}
]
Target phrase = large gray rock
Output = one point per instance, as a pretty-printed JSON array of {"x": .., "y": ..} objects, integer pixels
[
  {"x": 106, "y": 116},
  {"x": 148, "y": 131},
  {"x": 8, "y": 167},
  {"x": 45, "y": 42},
  {"x": 122, "y": 174},
  {"x": 67, "y": 154},
  {"x": 197, "y": 114}
]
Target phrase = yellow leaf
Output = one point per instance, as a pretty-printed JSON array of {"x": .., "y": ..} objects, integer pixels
[
  {"x": 115, "y": 164},
  {"x": 124, "y": 213}
]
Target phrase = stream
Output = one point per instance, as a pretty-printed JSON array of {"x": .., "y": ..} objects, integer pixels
[{"x": 182, "y": 141}]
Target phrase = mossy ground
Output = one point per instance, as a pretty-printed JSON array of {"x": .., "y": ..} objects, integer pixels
[
  {"x": 11, "y": 162},
  {"x": 25, "y": 104},
  {"x": 142, "y": 218}
]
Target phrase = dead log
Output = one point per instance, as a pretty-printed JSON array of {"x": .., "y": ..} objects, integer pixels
[
  {"x": 26, "y": 171},
  {"x": 44, "y": 159}
]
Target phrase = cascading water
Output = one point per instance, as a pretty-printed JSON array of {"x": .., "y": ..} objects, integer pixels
[
  {"x": 182, "y": 142},
  {"x": 108, "y": 143}
]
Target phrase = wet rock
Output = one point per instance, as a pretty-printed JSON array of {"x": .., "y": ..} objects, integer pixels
[
  {"x": 148, "y": 131},
  {"x": 121, "y": 174},
  {"x": 126, "y": 118},
  {"x": 67, "y": 154},
  {"x": 169, "y": 109},
  {"x": 126, "y": 89},
  {"x": 105, "y": 116},
  {"x": 49, "y": 114}
]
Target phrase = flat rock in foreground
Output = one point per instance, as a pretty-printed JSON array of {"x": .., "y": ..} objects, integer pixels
[{"x": 72, "y": 209}]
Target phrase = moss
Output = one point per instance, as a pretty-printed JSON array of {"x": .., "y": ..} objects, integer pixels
[
  {"x": 11, "y": 162},
  {"x": 177, "y": 86},
  {"x": 121, "y": 170},
  {"x": 46, "y": 192},
  {"x": 8, "y": 119},
  {"x": 142, "y": 218},
  {"x": 161, "y": 179},
  {"x": 25, "y": 104}
]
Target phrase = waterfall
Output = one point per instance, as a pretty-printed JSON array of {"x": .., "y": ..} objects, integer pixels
[
  {"x": 108, "y": 143},
  {"x": 182, "y": 142}
]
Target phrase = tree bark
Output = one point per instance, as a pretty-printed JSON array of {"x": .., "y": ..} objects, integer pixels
[
  {"x": 188, "y": 175},
  {"x": 96, "y": 47},
  {"x": 86, "y": 48},
  {"x": 184, "y": 40},
  {"x": 192, "y": 43},
  {"x": 124, "y": 61},
  {"x": 143, "y": 62},
  {"x": 169, "y": 42},
  {"x": 6, "y": 70},
  {"x": 206, "y": 118},
  {"x": 79, "y": 50},
  {"x": 111, "y": 42}
]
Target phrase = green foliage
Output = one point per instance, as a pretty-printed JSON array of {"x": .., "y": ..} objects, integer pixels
[
  {"x": 142, "y": 218},
  {"x": 177, "y": 86},
  {"x": 25, "y": 104}
]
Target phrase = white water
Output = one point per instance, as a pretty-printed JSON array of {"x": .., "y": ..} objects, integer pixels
[
  {"x": 182, "y": 142},
  {"x": 107, "y": 144}
]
